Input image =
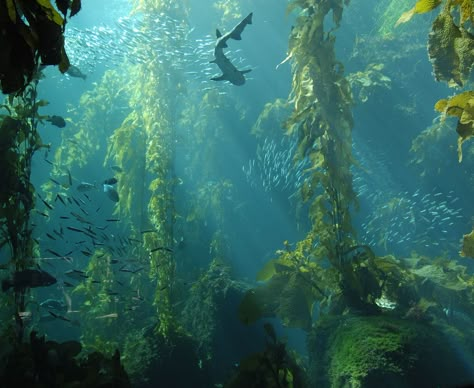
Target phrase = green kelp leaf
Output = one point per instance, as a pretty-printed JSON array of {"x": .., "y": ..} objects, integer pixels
[
  {"x": 295, "y": 302},
  {"x": 11, "y": 10},
  {"x": 462, "y": 107},
  {"x": 51, "y": 12},
  {"x": 250, "y": 309},
  {"x": 267, "y": 271},
  {"x": 422, "y": 6},
  {"x": 437, "y": 275}
]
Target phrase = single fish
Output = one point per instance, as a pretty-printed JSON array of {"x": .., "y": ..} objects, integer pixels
[
  {"x": 76, "y": 274},
  {"x": 161, "y": 249},
  {"x": 110, "y": 181},
  {"x": 57, "y": 121},
  {"x": 229, "y": 71},
  {"x": 116, "y": 168},
  {"x": 85, "y": 186},
  {"x": 111, "y": 193},
  {"x": 74, "y": 71},
  {"x": 28, "y": 278},
  {"x": 54, "y": 304}
]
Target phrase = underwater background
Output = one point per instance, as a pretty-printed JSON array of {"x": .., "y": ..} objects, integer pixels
[{"x": 312, "y": 227}]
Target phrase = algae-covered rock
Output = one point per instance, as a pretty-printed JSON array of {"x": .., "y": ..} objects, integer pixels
[
  {"x": 353, "y": 351},
  {"x": 171, "y": 361}
]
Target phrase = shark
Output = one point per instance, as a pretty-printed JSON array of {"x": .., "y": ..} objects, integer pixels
[{"x": 229, "y": 71}]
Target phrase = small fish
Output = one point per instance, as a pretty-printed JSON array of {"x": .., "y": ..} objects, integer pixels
[
  {"x": 54, "y": 304},
  {"x": 161, "y": 249},
  {"x": 110, "y": 181},
  {"x": 116, "y": 168},
  {"x": 28, "y": 278},
  {"x": 74, "y": 71},
  {"x": 111, "y": 193},
  {"x": 148, "y": 231},
  {"x": 45, "y": 203},
  {"x": 113, "y": 315},
  {"x": 112, "y": 220},
  {"x": 54, "y": 253},
  {"x": 69, "y": 178},
  {"x": 59, "y": 316},
  {"x": 76, "y": 274},
  {"x": 72, "y": 228},
  {"x": 55, "y": 181},
  {"x": 57, "y": 121},
  {"x": 60, "y": 199},
  {"x": 85, "y": 186}
]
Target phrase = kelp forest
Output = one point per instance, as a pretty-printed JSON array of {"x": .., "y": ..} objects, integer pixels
[{"x": 236, "y": 194}]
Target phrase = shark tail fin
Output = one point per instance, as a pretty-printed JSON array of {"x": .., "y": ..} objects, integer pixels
[
  {"x": 236, "y": 36},
  {"x": 248, "y": 19}
]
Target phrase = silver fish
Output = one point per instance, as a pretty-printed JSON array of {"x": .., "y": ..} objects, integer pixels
[
  {"x": 111, "y": 193},
  {"x": 84, "y": 186}
]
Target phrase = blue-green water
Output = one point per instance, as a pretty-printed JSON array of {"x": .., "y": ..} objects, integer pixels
[{"x": 235, "y": 194}]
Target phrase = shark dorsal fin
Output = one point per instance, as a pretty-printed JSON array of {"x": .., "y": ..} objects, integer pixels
[{"x": 218, "y": 33}]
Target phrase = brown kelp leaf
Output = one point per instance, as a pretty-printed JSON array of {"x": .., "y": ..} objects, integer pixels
[
  {"x": 451, "y": 50},
  {"x": 468, "y": 245},
  {"x": 75, "y": 7},
  {"x": 51, "y": 12},
  {"x": 17, "y": 61},
  {"x": 63, "y": 6},
  {"x": 465, "y": 132},
  {"x": 64, "y": 63}
]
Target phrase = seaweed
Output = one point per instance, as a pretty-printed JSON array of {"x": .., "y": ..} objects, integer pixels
[
  {"x": 451, "y": 52},
  {"x": 369, "y": 351},
  {"x": 274, "y": 367},
  {"x": 41, "y": 363},
  {"x": 468, "y": 245},
  {"x": 462, "y": 107},
  {"x": 37, "y": 33}
]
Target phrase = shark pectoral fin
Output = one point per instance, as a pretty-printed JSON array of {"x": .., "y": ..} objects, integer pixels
[
  {"x": 213, "y": 61},
  {"x": 245, "y": 71},
  {"x": 236, "y": 36},
  {"x": 220, "y": 78}
]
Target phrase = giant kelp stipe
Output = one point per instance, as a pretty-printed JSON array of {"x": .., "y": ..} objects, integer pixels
[{"x": 307, "y": 225}]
